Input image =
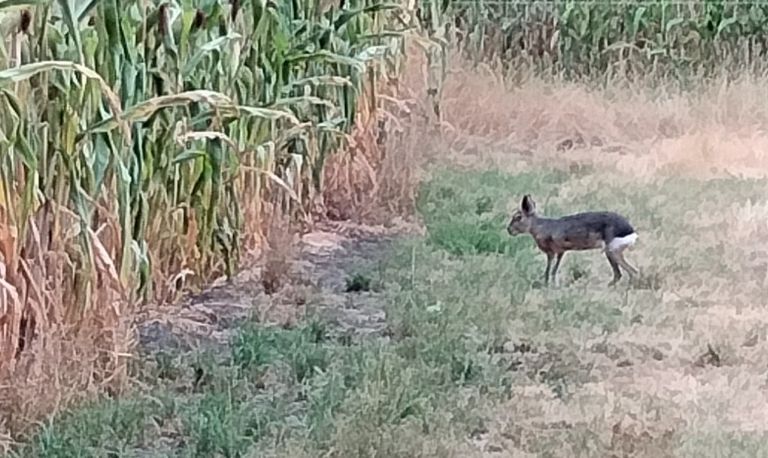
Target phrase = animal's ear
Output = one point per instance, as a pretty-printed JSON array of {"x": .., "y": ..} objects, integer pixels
[{"x": 528, "y": 206}]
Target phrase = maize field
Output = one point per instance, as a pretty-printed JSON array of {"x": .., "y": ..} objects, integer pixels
[
  {"x": 606, "y": 40},
  {"x": 145, "y": 142}
]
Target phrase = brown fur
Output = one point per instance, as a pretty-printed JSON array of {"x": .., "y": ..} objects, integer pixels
[{"x": 577, "y": 232}]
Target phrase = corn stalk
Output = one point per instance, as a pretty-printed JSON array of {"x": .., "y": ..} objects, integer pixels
[
  {"x": 662, "y": 39},
  {"x": 145, "y": 144}
]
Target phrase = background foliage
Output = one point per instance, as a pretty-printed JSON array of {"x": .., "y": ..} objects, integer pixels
[{"x": 684, "y": 40}]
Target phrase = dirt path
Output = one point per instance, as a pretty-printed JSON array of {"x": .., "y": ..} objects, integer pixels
[{"x": 326, "y": 260}]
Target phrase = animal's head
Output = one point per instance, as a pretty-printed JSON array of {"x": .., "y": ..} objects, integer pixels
[{"x": 522, "y": 218}]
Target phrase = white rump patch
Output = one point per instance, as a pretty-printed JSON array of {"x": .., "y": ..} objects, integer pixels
[{"x": 620, "y": 243}]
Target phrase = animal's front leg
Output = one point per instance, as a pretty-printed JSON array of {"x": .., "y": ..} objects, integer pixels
[
  {"x": 549, "y": 265},
  {"x": 557, "y": 266}
]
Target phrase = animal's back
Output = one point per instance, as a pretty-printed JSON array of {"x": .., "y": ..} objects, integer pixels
[
  {"x": 607, "y": 224},
  {"x": 583, "y": 231}
]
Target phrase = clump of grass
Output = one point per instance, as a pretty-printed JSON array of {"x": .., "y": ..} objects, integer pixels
[
  {"x": 358, "y": 283},
  {"x": 110, "y": 426},
  {"x": 302, "y": 349},
  {"x": 718, "y": 443},
  {"x": 468, "y": 213},
  {"x": 278, "y": 254}
]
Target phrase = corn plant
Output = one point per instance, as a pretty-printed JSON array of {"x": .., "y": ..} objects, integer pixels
[
  {"x": 145, "y": 143},
  {"x": 596, "y": 39}
]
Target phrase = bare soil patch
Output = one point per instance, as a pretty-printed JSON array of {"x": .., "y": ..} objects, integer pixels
[{"x": 328, "y": 259}]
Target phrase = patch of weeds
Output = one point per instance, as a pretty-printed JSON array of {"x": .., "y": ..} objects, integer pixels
[
  {"x": 651, "y": 279},
  {"x": 483, "y": 205},
  {"x": 301, "y": 349},
  {"x": 578, "y": 271},
  {"x": 723, "y": 443},
  {"x": 166, "y": 409},
  {"x": 358, "y": 283},
  {"x": 461, "y": 361},
  {"x": 379, "y": 388},
  {"x": 326, "y": 394},
  {"x": 439, "y": 297},
  {"x": 317, "y": 331},
  {"x": 102, "y": 428},
  {"x": 278, "y": 254},
  {"x": 391, "y": 388},
  {"x": 220, "y": 425},
  {"x": 461, "y": 238},
  {"x": 572, "y": 309},
  {"x": 211, "y": 427},
  {"x": 464, "y": 213},
  {"x": 255, "y": 347},
  {"x": 166, "y": 366}
]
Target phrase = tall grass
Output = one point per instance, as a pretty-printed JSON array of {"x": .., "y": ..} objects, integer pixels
[{"x": 145, "y": 144}]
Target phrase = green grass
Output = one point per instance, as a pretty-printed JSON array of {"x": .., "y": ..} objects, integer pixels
[
  {"x": 464, "y": 212},
  {"x": 469, "y": 325},
  {"x": 723, "y": 443}
]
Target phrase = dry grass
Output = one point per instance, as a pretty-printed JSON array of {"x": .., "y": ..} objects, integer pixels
[
  {"x": 717, "y": 128},
  {"x": 60, "y": 369},
  {"x": 638, "y": 138},
  {"x": 64, "y": 359},
  {"x": 646, "y": 370},
  {"x": 373, "y": 178},
  {"x": 278, "y": 253}
]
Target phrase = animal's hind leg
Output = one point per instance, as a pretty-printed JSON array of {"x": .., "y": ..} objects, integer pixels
[
  {"x": 625, "y": 264},
  {"x": 614, "y": 265}
]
